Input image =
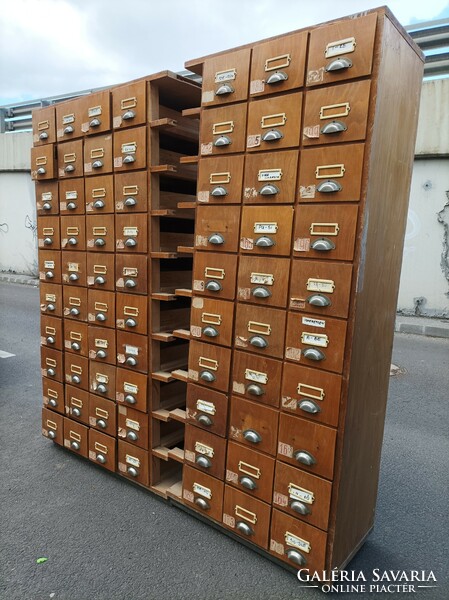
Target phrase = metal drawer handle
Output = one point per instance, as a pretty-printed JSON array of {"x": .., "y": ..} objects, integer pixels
[
  {"x": 52, "y": 434},
  {"x": 100, "y": 242},
  {"x": 269, "y": 189},
  {"x": 130, "y": 399},
  {"x": 276, "y": 77},
  {"x": 264, "y": 242},
  {"x": 329, "y": 187},
  {"x": 49, "y": 275},
  {"x": 258, "y": 341},
  {"x": 323, "y": 245},
  {"x": 319, "y": 300},
  {"x": 132, "y": 471},
  {"x": 73, "y": 277},
  {"x": 207, "y": 376},
  {"x": 95, "y": 122},
  {"x": 41, "y": 171},
  {"x": 313, "y": 354},
  {"x": 76, "y": 412},
  {"x": 129, "y": 158},
  {"x": 71, "y": 206},
  {"x": 50, "y": 339},
  {"x": 309, "y": 406},
  {"x": 97, "y": 164},
  {"x": 130, "y": 283},
  {"x": 338, "y": 64},
  {"x": 51, "y": 372},
  {"x": 101, "y": 458},
  {"x": 51, "y": 307},
  {"x": 132, "y": 436},
  {"x": 219, "y": 190},
  {"x": 252, "y": 436},
  {"x": 76, "y": 379},
  {"x": 130, "y": 202},
  {"x": 213, "y": 286},
  {"x": 255, "y": 390},
  {"x": 69, "y": 169},
  {"x": 248, "y": 483},
  {"x": 52, "y": 402},
  {"x": 272, "y": 136},
  {"x": 100, "y": 317},
  {"x": 204, "y": 420},
  {"x": 75, "y": 346},
  {"x": 131, "y": 361},
  {"x": 102, "y": 423},
  {"x": 131, "y": 243},
  {"x": 99, "y": 204},
  {"x": 101, "y": 388},
  {"x": 244, "y": 528},
  {"x": 74, "y": 312},
  {"x": 46, "y": 206},
  {"x": 101, "y": 354},
  {"x": 74, "y": 445},
  {"x": 300, "y": 507},
  {"x": 202, "y": 503},
  {"x": 261, "y": 292},
  {"x": 333, "y": 127},
  {"x": 210, "y": 331},
  {"x": 216, "y": 238},
  {"x": 203, "y": 461},
  {"x": 129, "y": 114},
  {"x": 305, "y": 458},
  {"x": 68, "y": 129},
  {"x": 296, "y": 557},
  {"x": 48, "y": 241},
  {"x": 223, "y": 140},
  {"x": 224, "y": 90},
  {"x": 43, "y": 135},
  {"x": 100, "y": 280},
  {"x": 131, "y": 323},
  {"x": 72, "y": 241}
]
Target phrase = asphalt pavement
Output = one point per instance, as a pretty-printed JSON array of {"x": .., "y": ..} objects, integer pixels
[{"x": 108, "y": 540}]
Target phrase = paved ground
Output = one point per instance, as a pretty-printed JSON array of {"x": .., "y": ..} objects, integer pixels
[{"x": 107, "y": 540}]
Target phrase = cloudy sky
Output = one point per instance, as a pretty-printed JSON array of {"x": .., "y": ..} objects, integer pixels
[{"x": 50, "y": 47}]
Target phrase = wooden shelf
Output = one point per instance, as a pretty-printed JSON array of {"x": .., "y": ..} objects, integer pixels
[
  {"x": 163, "y": 336},
  {"x": 183, "y": 292},
  {"x": 189, "y": 160},
  {"x": 183, "y": 334},
  {"x": 180, "y": 374},
  {"x": 192, "y": 113},
  {"x": 163, "y": 296}
]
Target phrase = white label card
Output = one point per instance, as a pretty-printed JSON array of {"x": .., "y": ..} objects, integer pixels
[
  {"x": 130, "y": 388},
  {"x": 297, "y": 542},
  {"x": 314, "y": 322},
  {"x": 132, "y": 460},
  {"x": 270, "y": 175},
  {"x": 298, "y": 493},
  {"x": 201, "y": 490},
  {"x": 256, "y": 376},
  {"x": 262, "y": 278},
  {"x": 206, "y": 407},
  {"x": 265, "y": 227}
]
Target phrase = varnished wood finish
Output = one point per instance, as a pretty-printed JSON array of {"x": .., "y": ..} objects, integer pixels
[
  {"x": 68, "y": 120},
  {"x": 207, "y": 409},
  {"x": 48, "y": 233},
  {"x": 73, "y": 268},
  {"x": 257, "y": 378},
  {"x": 246, "y": 516},
  {"x": 131, "y": 185},
  {"x": 102, "y": 380},
  {"x": 76, "y": 437},
  {"x": 100, "y": 269},
  {"x": 260, "y": 222},
  {"x": 221, "y": 175},
  {"x": 246, "y": 417},
  {"x": 217, "y": 220},
  {"x": 44, "y": 126},
  {"x": 53, "y": 395},
  {"x": 99, "y": 194},
  {"x": 133, "y": 426},
  {"x": 269, "y": 170},
  {"x": 205, "y": 451},
  {"x": 47, "y": 198},
  {"x": 227, "y": 121},
  {"x": 202, "y": 492},
  {"x": 129, "y": 104},
  {"x": 132, "y": 313},
  {"x": 206, "y": 360},
  {"x": 212, "y": 321},
  {"x": 43, "y": 162},
  {"x": 98, "y": 159},
  {"x": 96, "y": 112},
  {"x": 101, "y": 308},
  {"x": 263, "y": 280},
  {"x": 77, "y": 404},
  {"x": 102, "y": 414},
  {"x": 131, "y": 389},
  {"x": 231, "y": 68},
  {"x": 250, "y": 471},
  {"x": 133, "y": 462},
  {"x": 51, "y": 299},
  {"x": 76, "y": 371},
  {"x": 70, "y": 159},
  {"x": 100, "y": 233},
  {"x": 131, "y": 229},
  {"x": 130, "y": 145},
  {"x": 131, "y": 273},
  {"x": 105, "y": 446},
  {"x": 132, "y": 351},
  {"x": 52, "y": 363},
  {"x": 49, "y": 265},
  {"x": 101, "y": 344},
  {"x": 215, "y": 275},
  {"x": 73, "y": 233},
  {"x": 71, "y": 197},
  {"x": 260, "y": 330},
  {"x": 52, "y": 421},
  {"x": 75, "y": 337}
]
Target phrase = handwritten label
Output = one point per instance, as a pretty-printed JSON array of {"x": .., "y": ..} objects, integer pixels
[{"x": 313, "y": 322}]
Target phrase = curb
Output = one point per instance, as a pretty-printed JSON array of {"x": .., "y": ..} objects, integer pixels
[
  {"x": 440, "y": 330},
  {"x": 22, "y": 279}
]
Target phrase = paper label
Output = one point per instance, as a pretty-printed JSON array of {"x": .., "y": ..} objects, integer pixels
[
  {"x": 298, "y": 493},
  {"x": 297, "y": 542},
  {"x": 66, "y": 119},
  {"x": 132, "y": 460},
  {"x": 130, "y": 231},
  {"x": 256, "y": 86},
  {"x": 49, "y": 264},
  {"x": 198, "y": 285},
  {"x": 311, "y": 132},
  {"x": 340, "y": 47},
  {"x": 256, "y": 376},
  {"x": 121, "y": 467},
  {"x": 118, "y": 162},
  {"x": 47, "y": 197},
  {"x": 238, "y": 388},
  {"x": 201, "y": 490},
  {"x": 225, "y": 76},
  {"x": 130, "y": 388},
  {"x": 289, "y": 403},
  {"x": 262, "y": 278},
  {"x": 246, "y": 243},
  {"x": 206, "y": 149},
  {"x": 94, "y": 111},
  {"x": 229, "y": 520},
  {"x": 301, "y": 245},
  {"x": 132, "y": 350},
  {"x": 253, "y": 141},
  {"x": 232, "y": 477},
  {"x": 129, "y": 148},
  {"x": 193, "y": 375},
  {"x": 244, "y": 293},
  {"x": 101, "y": 343},
  {"x": 250, "y": 193},
  {"x": 207, "y": 96},
  {"x": 265, "y": 227},
  {"x": 195, "y": 331},
  {"x": 206, "y": 407},
  {"x": 203, "y": 196},
  {"x": 280, "y": 499},
  {"x": 203, "y": 449},
  {"x": 313, "y": 322},
  {"x": 188, "y": 495},
  {"x": 307, "y": 191},
  {"x": 321, "y": 285},
  {"x": 189, "y": 456},
  {"x": 101, "y": 378},
  {"x": 197, "y": 303},
  {"x": 276, "y": 547},
  {"x": 71, "y": 195},
  {"x": 116, "y": 121},
  {"x": 315, "y": 340},
  {"x": 270, "y": 175},
  {"x": 293, "y": 353},
  {"x": 315, "y": 75},
  {"x": 285, "y": 450},
  {"x": 201, "y": 240}
]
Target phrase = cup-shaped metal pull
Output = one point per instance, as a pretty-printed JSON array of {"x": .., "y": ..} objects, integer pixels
[
  {"x": 204, "y": 420},
  {"x": 76, "y": 379},
  {"x": 74, "y": 311},
  {"x": 218, "y": 191},
  {"x": 130, "y": 201},
  {"x": 130, "y": 399},
  {"x": 309, "y": 406},
  {"x": 101, "y": 387},
  {"x": 131, "y": 361},
  {"x": 313, "y": 354},
  {"x": 50, "y": 339},
  {"x": 72, "y": 241},
  {"x": 248, "y": 483},
  {"x": 43, "y": 135},
  {"x": 73, "y": 277},
  {"x": 75, "y": 346},
  {"x": 46, "y": 206},
  {"x": 296, "y": 557},
  {"x": 129, "y": 114},
  {"x": 304, "y": 458},
  {"x": 323, "y": 245},
  {"x": 258, "y": 341},
  {"x": 244, "y": 528},
  {"x": 49, "y": 275},
  {"x": 100, "y": 280},
  {"x": 41, "y": 171},
  {"x": 100, "y": 317},
  {"x": 255, "y": 390},
  {"x": 207, "y": 376},
  {"x": 261, "y": 292},
  {"x": 252, "y": 436},
  {"x": 52, "y": 434},
  {"x": 51, "y": 307},
  {"x": 203, "y": 461},
  {"x": 51, "y": 372},
  {"x": 48, "y": 241},
  {"x": 100, "y": 242},
  {"x": 224, "y": 90},
  {"x": 264, "y": 242},
  {"x": 101, "y": 354},
  {"x": 131, "y": 243},
  {"x": 68, "y": 129},
  {"x": 213, "y": 286},
  {"x": 273, "y": 135},
  {"x": 269, "y": 189},
  {"x": 132, "y": 436},
  {"x": 132, "y": 471},
  {"x": 129, "y": 158},
  {"x": 202, "y": 503},
  {"x": 328, "y": 187},
  {"x": 95, "y": 122},
  {"x": 210, "y": 331},
  {"x": 101, "y": 458},
  {"x": 300, "y": 507},
  {"x": 333, "y": 127},
  {"x": 52, "y": 402},
  {"x": 69, "y": 168},
  {"x": 216, "y": 238},
  {"x": 338, "y": 64},
  {"x": 74, "y": 445},
  {"x": 131, "y": 323},
  {"x": 130, "y": 284},
  {"x": 97, "y": 164},
  {"x": 223, "y": 140},
  {"x": 319, "y": 300},
  {"x": 276, "y": 77},
  {"x": 99, "y": 204},
  {"x": 71, "y": 206},
  {"x": 76, "y": 412}
]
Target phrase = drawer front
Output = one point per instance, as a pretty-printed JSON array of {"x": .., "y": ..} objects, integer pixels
[
  {"x": 44, "y": 126},
  {"x": 132, "y": 313},
  {"x": 99, "y": 194},
  {"x": 246, "y": 516},
  {"x": 77, "y": 404},
  {"x": 302, "y": 495},
  {"x": 50, "y": 266},
  {"x": 207, "y": 409},
  {"x": 100, "y": 233},
  {"x": 225, "y": 78},
  {"x": 250, "y": 471},
  {"x": 43, "y": 163},
  {"x": 257, "y": 378},
  {"x": 76, "y": 371},
  {"x": 309, "y": 446},
  {"x": 129, "y": 105},
  {"x": 220, "y": 180},
  {"x": 253, "y": 425},
  {"x": 76, "y": 437},
  {"x": 217, "y": 228},
  {"x": 101, "y": 308},
  {"x": 331, "y": 174},
  {"x": 133, "y": 462},
  {"x": 69, "y": 119},
  {"x": 102, "y": 380},
  {"x": 103, "y": 449},
  {"x": 51, "y": 299},
  {"x": 101, "y": 344},
  {"x": 53, "y": 395},
  {"x": 260, "y": 330},
  {"x": 132, "y": 426},
  {"x": 75, "y": 303},
  {"x": 96, "y": 114},
  {"x": 75, "y": 337},
  {"x": 132, "y": 351},
  {"x": 131, "y": 233},
  {"x": 314, "y": 342},
  {"x": 205, "y": 451},
  {"x": 215, "y": 275},
  {"x": 100, "y": 271},
  {"x": 336, "y": 114},
  {"x": 322, "y": 288},
  {"x": 278, "y": 65},
  {"x": 102, "y": 415},
  {"x": 325, "y": 232},
  {"x": 71, "y": 197},
  {"x": 98, "y": 155},
  {"x": 203, "y": 493},
  {"x": 73, "y": 267},
  {"x": 263, "y": 280},
  {"x": 131, "y": 389},
  {"x": 73, "y": 233},
  {"x": 131, "y": 273},
  {"x": 212, "y": 320},
  {"x": 341, "y": 51},
  {"x": 265, "y": 231},
  {"x": 274, "y": 123},
  {"x": 131, "y": 192},
  {"x": 130, "y": 149},
  {"x": 53, "y": 426},
  {"x": 47, "y": 198},
  {"x": 298, "y": 544},
  {"x": 48, "y": 233},
  {"x": 270, "y": 178},
  {"x": 223, "y": 130},
  {"x": 70, "y": 159},
  {"x": 209, "y": 365}
]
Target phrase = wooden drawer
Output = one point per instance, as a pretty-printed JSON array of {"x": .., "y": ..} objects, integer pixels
[
  {"x": 73, "y": 233},
  {"x": 331, "y": 174},
  {"x": 263, "y": 280},
  {"x": 132, "y": 313},
  {"x": 71, "y": 197},
  {"x": 341, "y": 50},
  {"x": 48, "y": 233},
  {"x": 209, "y": 365},
  {"x": 102, "y": 415},
  {"x": 309, "y": 446},
  {"x": 266, "y": 231},
  {"x": 132, "y": 426},
  {"x": 76, "y": 371},
  {"x": 207, "y": 409},
  {"x": 75, "y": 337},
  {"x": 278, "y": 65},
  {"x": 225, "y": 78},
  {"x": 49, "y": 264},
  {"x": 131, "y": 233},
  {"x": 314, "y": 342},
  {"x": 101, "y": 344},
  {"x": 51, "y": 299},
  {"x": 100, "y": 271},
  {"x": 132, "y": 351},
  {"x": 53, "y": 395},
  {"x": 322, "y": 288},
  {"x": 131, "y": 191},
  {"x": 44, "y": 125},
  {"x": 129, "y": 104},
  {"x": 77, "y": 404},
  {"x": 274, "y": 123},
  {"x": 74, "y": 303},
  {"x": 270, "y": 178},
  {"x": 253, "y": 425},
  {"x": 217, "y": 228},
  {"x": 100, "y": 233},
  {"x": 250, "y": 471},
  {"x": 257, "y": 378},
  {"x": 47, "y": 198},
  {"x": 101, "y": 308},
  {"x": 223, "y": 130},
  {"x": 76, "y": 437},
  {"x": 102, "y": 380},
  {"x": 130, "y": 149},
  {"x": 212, "y": 320},
  {"x": 133, "y": 462},
  {"x": 220, "y": 180},
  {"x": 131, "y": 273},
  {"x": 98, "y": 155},
  {"x": 131, "y": 389},
  {"x": 43, "y": 162},
  {"x": 53, "y": 426},
  {"x": 302, "y": 495},
  {"x": 215, "y": 275},
  {"x": 203, "y": 493},
  {"x": 298, "y": 544},
  {"x": 69, "y": 119},
  {"x": 336, "y": 114},
  {"x": 73, "y": 267},
  {"x": 325, "y": 232},
  {"x": 246, "y": 516},
  {"x": 99, "y": 194},
  {"x": 311, "y": 393},
  {"x": 260, "y": 330},
  {"x": 102, "y": 449},
  {"x": 96, "y": 113},
  {"x": 205, "y": 451},
  {"x": 70, "y": 159}
]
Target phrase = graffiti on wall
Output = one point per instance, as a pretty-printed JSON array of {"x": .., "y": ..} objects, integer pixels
[{"x": 32, "y": 226}]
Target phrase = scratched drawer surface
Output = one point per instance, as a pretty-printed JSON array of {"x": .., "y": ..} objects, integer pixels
[
  {"x": 250, "y": 471},
  {"x": 202, "y": 493},
  {"x": 212, "y": 320},
  {"x": 220, "y": 180},
  {"x": 246, "y": 516},
  {"x": 260, "y": 330},
  {"x": 253, "y": 425},
  {"x": 266, "y": 230},
  {"x": 214, "y": 275},
  {"x": 263, "y": 281},
  {"x": 205, "y": 451},
  {"x": 257, "y": 378},
  {"x": 270, "y": 178},
  {"x": 207, "y": 409}
]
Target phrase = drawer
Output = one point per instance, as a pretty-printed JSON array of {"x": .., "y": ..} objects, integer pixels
[
  {"x": 131, "y": 389},
  {"x": 70, "y": 159},
  {"x": 309, "y": 446},
  {"x": 311, "y": 393},
  {"x": 278, "y": 65},
  {"x": 225, "y": 78},
  {"x": 131, "y": 313},
  {"x": 101, "y": 308},
  {"x": 322, "y": 288},
  {"x": 132, "y": 426},
  {"x": 96, "y": 112},
  {"x": 73, "y": 267},
  {"x": 131, "y": 233},
  {"x": 133, "y": 462},
  {"x": 101, "y": 344},
  {"x": 246, "y": 516},
  {"x": 131, "y": 192},
  {"x": 130, "y": 149},
  {"x": 202, "y": 492},
  {"x": 53, "y": 426},
  {"x": 250, "y": 471},
  {"x": 76, "y": 369},
  {"x": 263, "y": 280},
  {"x": 331, "y": 173},
  {"x": 69, "y": 119},
  {"x": 71, "y": 196},
  {"x": 207, "y": 409},
  {"x": 43, "y": 162},
  {"x": 52, "y": 364},
  {"x": 209, "y": 365},
  {"x": 100, "y": 233},
  {"x": 131, "y": 273},
  {"x": 298, "y": 544},
  {"x": 73, "y": 233},
  {"x": 53, "y": 395},
  {"x": 220, "y": 180},
  {"x": 257, "y": 378},
  {"x": 341, "y": 50},
  {"x": 260, "y": 330},
  {"x": 102, "y": 415},
  {"x": 336, "y": 114},
  {"x": 44, "y": 125},
  {"x": 129, "y": 106},
  {"x": 314, "y": 342},
  {"x": 253, "y": 425},
  {"x": 215, "y": 275},
  {"x": 270, "y": 178},
  {"x": 325, "y": 232},
  {"x": 75, "y": 337},
  {"x": 274, "y": 123},
  {"x": 302, "y": 495},
  {"x": 47, "y": 198},
  {"x": 100, "y": 271},
  {"x": 51, "y": 299},
  {"x": 102, "y": 380},
  {"x": 49, "y": 263},
  {"x": 77, "y": 404},
  {"x": 48, "y": 233},
  {"x": 98, "y": 155},
  {"x": 265, "y": 231},
  {"x": 76, "y": 437},
  {"x": 74, "y": 302},
  {"x": 132, "y": 351},
  {"x": 217, "y": 228},
  {"x": 222, "y": 130},
  {"x": 99, "y": 194},
  {"x": 205, "y": 451},
  {"x": 212, "y": 320},
  {"x": 102, "y": 449}
]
